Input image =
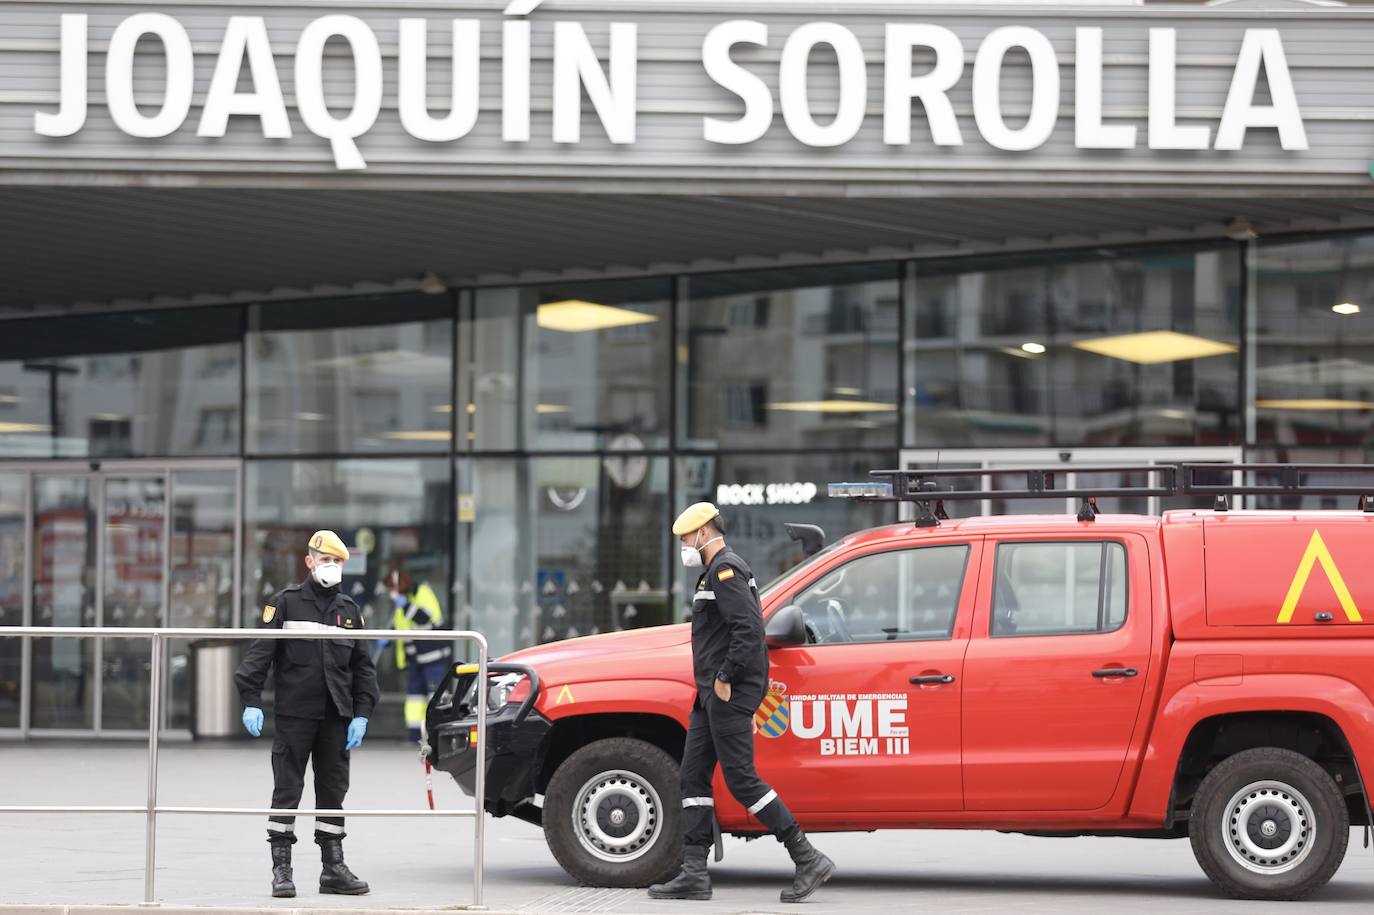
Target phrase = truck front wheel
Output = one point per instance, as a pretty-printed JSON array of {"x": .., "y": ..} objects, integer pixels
[
  {"x": 1269, "y": 823},
  {"x": 613, "y": 814}
]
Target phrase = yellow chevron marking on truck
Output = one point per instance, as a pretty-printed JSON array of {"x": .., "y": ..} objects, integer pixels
[{"x": 1316, "y": 552}]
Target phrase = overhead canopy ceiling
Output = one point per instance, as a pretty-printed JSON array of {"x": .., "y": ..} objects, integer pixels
[{"x": 82, "y": 249}]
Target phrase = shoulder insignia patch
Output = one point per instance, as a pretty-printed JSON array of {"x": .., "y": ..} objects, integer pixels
[
  {"x": 268, "y": 612},
  {"x": 725, "y": 574}
]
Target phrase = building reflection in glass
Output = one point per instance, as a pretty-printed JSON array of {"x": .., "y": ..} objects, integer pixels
[
  {"x": 1314, "y": 380},
  {"x": 1096, "y": 349}
]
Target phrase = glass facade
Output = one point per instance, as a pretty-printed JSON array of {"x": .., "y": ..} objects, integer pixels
[
  {"x": 12, "y": 512},
  {"x": 1314, "y": 330},
  {"x": 523, "y": 449},
  {"x": 797, "y": 359},
  {"x": 1104, "y": 349},
  {"x": 563, "y": 368},
  {"x": 122, "y": 385},
  {"x": 360, "y": 375}
]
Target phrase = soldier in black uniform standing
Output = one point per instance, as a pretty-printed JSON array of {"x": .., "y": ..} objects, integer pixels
[
  {"x": 730, "y": 665},
  {"x": 326, "y": 690}
]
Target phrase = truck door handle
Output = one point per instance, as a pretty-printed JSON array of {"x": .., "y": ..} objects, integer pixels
[
  {"x": 1116, "y": 672},
  {"x": 931, "y": 679}
]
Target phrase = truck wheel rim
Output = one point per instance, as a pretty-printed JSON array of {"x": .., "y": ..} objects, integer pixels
[
  {"x": 1269, "y": 828},
  {"x": 617, "y": 816}
]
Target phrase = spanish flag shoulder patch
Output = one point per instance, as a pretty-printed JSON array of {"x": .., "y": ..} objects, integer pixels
[
  {"x": 725, "y": 574},
  {"x": 268, "y": 612}
]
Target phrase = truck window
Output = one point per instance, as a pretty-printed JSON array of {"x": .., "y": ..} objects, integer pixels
[
  {"x": 1069, "y": 587},
  {"x": 894, "y": 596}
]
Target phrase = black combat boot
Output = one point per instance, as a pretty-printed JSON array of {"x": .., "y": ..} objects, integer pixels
[
  {"x": 813, "y": 868},
  {"x": 282, "y": 887},
  {"x": 336, "y": 878},
  {"x": 692, "y": 883}
]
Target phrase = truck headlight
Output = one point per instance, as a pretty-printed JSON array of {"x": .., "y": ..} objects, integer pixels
[{"x": 500, "y": 690}]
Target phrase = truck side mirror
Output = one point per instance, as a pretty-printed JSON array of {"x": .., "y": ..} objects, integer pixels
[
  {"x": 786, "y": 628},
  {"x": 811, "y": 537}
]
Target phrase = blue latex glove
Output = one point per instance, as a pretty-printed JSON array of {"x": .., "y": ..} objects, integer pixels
[
  {"x": 252, "y": 721},
  {"x": 401, "y": 601},
  {"x": 357, "y": 729}
]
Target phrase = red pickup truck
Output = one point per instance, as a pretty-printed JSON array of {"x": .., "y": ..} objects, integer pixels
[{"x": 1205, "y": 674}]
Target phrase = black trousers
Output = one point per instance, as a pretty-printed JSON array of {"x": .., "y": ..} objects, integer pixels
[
  {"x": 320, "y": 742},
  {"x": 723, "y": 732}
]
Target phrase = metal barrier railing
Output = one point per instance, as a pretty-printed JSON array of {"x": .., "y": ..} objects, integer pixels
[{"x": 151, "y": 809}]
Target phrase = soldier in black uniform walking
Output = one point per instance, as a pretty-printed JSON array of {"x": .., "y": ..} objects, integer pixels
[
  {"x": 730, "y": 664},
  {"x": 326, "y": 690}
]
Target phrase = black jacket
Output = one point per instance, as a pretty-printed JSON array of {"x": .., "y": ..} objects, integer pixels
[
  {"x": 727, "y": 630},
  {"x": 311, "y": 673}
]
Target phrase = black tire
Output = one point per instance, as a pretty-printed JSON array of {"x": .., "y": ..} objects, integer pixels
[
  {"x": 1292, "y": 827},
  {"x": 646, "y": 796}
]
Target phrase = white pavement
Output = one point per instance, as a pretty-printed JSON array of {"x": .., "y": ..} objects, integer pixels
[{"x": 223, "y": 861}]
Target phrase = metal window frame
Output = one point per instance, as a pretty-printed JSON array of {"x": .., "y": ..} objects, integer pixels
[{"x": 97, "y": 471}]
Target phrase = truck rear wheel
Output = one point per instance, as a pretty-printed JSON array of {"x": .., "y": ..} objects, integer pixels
[
  {"x": 613, "y": 814},
  {"x": 1269, "y": 823}
]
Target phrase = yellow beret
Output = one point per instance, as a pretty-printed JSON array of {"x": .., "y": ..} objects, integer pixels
[
  {"x": 694, "y": 517},
  {"x": 328, "y": 542}
]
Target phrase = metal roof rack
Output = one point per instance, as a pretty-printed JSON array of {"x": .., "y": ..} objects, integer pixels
[
  {"x": 1288, "y": 481},
  {"x": 923, "y": 487}
]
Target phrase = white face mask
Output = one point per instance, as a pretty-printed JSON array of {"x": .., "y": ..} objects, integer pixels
[
  {"x": 691, "y": 555},
  {"x": 328, "y": 574}
]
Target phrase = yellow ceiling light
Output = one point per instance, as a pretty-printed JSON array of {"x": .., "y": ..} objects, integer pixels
[
  {"x": 444, "y": 408},
  {"x": 833, "y": 406},
  {"x": 24, "y": 427},
  {"x": 1154, "y": 347},
  {"x": 576, "y": 316},
  {"x": 1035, "y": 349},
  {"x": 544, "y": 408},
  {"x": 1346, "y": 308},
  {"x": 419, "y": 435},
  {"x": 1314, "y": 403}
]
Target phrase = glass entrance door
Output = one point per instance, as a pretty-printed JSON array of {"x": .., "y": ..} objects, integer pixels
[
  {"x": 64, "y": 534},
  {"x": 132, "y": 545},
  {"x": 987, "y": 469},
  {"x": 133, "y": 570}
]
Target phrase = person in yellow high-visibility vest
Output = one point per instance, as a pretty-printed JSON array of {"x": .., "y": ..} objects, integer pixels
[{"x": 423, "y": 660}]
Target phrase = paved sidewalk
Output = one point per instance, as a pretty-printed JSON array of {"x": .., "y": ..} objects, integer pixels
[{"x": 223, "y": 861}]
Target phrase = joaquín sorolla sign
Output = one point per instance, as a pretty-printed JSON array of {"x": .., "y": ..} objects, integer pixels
[{"x": 919, "y": 66}]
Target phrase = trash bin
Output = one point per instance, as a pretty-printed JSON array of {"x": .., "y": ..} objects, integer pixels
[{"x": 216, "y": 700}]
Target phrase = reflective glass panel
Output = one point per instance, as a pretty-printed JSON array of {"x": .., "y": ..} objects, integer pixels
[
  {"x": 392, "y": 513},
  {"x": 758, "y": 494},
  {"x": 135, "y": 544},
  {"x": 367, "y": 373},
  {"x": 13, "y": 489},
  {"x": 1101, "y": 349},
  {"x": 201, "y": 588},
  {"x": 1314, "y": 330},
  {"x": 64, "y": 583},
  {"x": 557, "y": 547},
  {"x": 802, "y": 358},
  {"x": 586, "y": 362},
  {"x": 145, "y": 383}
]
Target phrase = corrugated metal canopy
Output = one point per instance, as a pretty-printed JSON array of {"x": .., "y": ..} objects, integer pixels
[{"x": 100, "y": 248}]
